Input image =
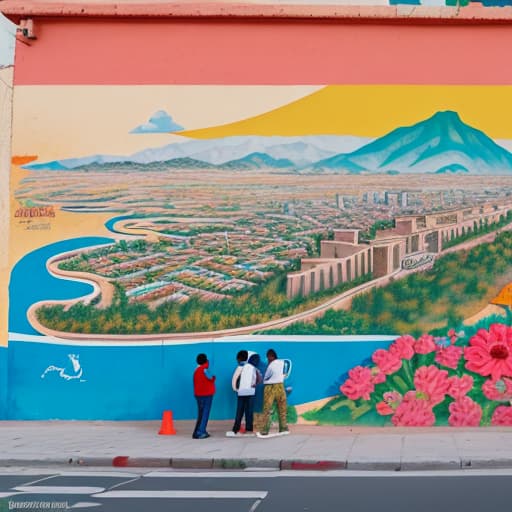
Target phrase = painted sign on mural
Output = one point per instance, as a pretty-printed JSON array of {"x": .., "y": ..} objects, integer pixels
[{"x": 188, "y": 213}]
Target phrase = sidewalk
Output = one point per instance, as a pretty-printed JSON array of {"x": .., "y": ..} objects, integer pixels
[{"x": 137, "y": 444}]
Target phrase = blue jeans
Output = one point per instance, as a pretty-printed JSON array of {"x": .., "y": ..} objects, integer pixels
[
  {"x": 244, "y": 405},
  {"x": 204, "y": 404}
]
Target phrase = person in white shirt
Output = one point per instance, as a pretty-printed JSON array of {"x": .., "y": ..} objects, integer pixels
[
  {"x": 241, "y": 359},
  {"x": 274, "y": 392},
  {"x": 246, "y": 389}
]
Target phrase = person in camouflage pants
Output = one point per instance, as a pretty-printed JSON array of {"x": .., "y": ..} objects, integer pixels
[{"x": 274, "y": 392}]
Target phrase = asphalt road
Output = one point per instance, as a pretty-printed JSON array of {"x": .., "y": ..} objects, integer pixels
[{"x": 111, "y": 491}]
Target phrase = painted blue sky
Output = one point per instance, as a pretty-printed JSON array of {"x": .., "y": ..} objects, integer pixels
[{"x": 7, "y": 38}]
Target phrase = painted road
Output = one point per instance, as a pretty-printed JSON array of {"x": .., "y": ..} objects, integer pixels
[{"x": 248, "y": 491}]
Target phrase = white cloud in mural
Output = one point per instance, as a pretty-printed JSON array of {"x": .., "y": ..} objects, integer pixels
[{"x": 159, "y": 122}]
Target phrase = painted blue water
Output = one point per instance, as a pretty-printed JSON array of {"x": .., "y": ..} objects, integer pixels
[
  {"x": 31, "y": 282},
  {"x": 139, "y": 382},
  {"x": 110, "y": 223}
]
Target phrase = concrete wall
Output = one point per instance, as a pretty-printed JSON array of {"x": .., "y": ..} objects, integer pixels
[
  {"x": 6, "y": 80},
  {"x": 106, "y": 86}
]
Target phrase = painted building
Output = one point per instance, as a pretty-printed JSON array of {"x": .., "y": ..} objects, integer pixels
[
  {"x": 412, "y": 243},
  {"x": 188, "y": 180}
]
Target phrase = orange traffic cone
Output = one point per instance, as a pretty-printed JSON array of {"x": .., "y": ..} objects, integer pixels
[{"x": 167, "y": 428}]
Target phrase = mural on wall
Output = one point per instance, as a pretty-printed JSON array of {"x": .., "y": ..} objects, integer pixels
[{"x": 170, "y": 213}]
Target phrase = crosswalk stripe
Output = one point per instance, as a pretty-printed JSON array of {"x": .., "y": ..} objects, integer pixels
[
  {"x": 255, "y": 495},
  {"x": 48, "y": 489},
  {"x": 113, "y": 474}
]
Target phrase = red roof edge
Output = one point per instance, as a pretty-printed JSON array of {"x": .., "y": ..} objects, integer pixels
[{"x": 472, "y": 14}]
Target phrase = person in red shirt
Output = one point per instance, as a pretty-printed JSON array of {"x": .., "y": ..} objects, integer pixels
[{"x": 204, "y": 389}]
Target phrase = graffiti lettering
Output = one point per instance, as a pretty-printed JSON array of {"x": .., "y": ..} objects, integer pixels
[
  {"x": 42, "y": 211},
  {"x": 44, "y": 227}
]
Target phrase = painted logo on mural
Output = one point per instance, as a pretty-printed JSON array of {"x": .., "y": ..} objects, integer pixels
[{"x": 67, "y": 372}]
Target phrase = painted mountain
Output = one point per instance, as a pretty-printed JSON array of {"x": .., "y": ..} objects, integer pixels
[
  {"x": 250, "y": 152},
  {"x": 441, "y": 144}
]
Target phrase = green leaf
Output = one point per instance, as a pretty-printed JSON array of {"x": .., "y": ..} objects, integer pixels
[
  {"x": 402, "y": 386},
  {"x": 487, "y": 412}
]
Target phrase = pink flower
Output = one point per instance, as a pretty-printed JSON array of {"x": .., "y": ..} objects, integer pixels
[
  {"x": 502, "y": 416},
  {"x": 402, "y": 347},
  {"x": 498, "y": 389},
  {"x": 378, "y": 377},
  {"x": 449, "y": 356},
  {"x": 454, "y": 336},
  {"x": 490, "y": 352},
  {"x": 387, "y": 362},
  {"x": 464, "y": 412},
  {"x": 392, "y": 397},
  {"x": 431, "y": 382},
  {"x": 384, "y": 409},
  {"x": 425, "y": 344},
  {"x": 392, "y": 400},
  {"x": 459, "y": 386},
  {"x": 359, "y": 384},
  {"x": 413, "y": 412}
]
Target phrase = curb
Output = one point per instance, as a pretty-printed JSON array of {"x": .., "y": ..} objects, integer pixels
[
  {"x": 246, "y": 464},
  {"x": 312, "y": 465},
  {"x": 125, "y": 461}
]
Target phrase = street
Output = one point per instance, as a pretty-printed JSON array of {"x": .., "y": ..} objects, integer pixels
[{"x": 248, "y": 491}]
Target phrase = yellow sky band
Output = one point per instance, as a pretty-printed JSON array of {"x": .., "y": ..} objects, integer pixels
[{"x": 374, "y": 110}]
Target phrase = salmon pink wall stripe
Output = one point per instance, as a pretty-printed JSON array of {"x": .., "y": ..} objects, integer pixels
[{"x": 255, "y": 52}]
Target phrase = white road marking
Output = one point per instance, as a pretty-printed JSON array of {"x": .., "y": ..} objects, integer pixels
[
  {"x": 124, "y": 482},
  {"x": 41, "y": 479},
  {"x": 117, "y": 474},
  {"x": 48, "y": 489},
  {"x": 8, "y": 494},
  {"x": 254, "y": 495},
  {"x": 254, "y": 505},
  {"x": 85, "y": 504}
]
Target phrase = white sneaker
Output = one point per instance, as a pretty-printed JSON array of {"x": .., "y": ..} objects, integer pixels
[{"x": 230, "y": 433}]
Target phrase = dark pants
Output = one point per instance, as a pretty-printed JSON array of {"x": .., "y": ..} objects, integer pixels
[
  {"x": 244, "y": 406},
  {"x": 204, "y": 404}
]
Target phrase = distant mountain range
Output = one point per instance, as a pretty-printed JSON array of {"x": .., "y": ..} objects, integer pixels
[
  {"x": 224, "y": 153},
  {"x": 440, "y": 144}
]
